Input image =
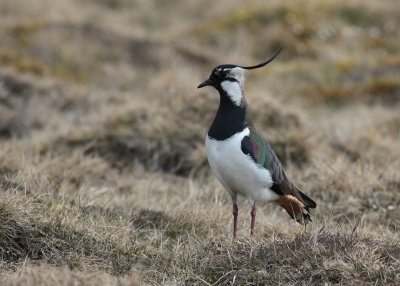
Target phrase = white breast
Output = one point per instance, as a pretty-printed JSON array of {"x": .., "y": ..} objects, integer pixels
[{"x": 236, "y": 171}]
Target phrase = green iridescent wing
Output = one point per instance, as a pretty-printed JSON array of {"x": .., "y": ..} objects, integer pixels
[{"x": 261, "y": 152}]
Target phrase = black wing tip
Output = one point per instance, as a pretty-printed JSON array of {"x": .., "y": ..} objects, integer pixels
[
  {"x": 311, "y": 204},
  {"x": 308, "y": 202}
]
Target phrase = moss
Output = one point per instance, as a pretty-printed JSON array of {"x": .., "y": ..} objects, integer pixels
[
  {"x": 24, "y": 32},
  {"x": 65, "y": 70},
  {"x": 358, "y": 15},
  {"x": 384, "y": 86},
  {"x": 346, "y": 65},
  {"x": 21, "y": 63}
]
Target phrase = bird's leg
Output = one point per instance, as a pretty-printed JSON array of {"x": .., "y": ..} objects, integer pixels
[
  {"x": 253, "y": 219},
  {"x": 235, "y": 214}
]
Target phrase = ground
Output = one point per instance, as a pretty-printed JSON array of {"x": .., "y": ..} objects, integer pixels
[{"x": 103, "y": 172}]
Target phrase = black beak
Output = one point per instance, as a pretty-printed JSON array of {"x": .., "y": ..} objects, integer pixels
[
  {"x": 264, "y": 63},
  {"x": 207, "y": 82}
]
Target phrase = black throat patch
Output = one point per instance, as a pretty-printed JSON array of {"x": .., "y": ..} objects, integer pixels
[{"x": 230, "y": 118}]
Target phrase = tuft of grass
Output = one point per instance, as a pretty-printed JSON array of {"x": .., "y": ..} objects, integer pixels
[
  {"x": 23, "y": 237},
  {"x": 326, "y": 258},
  {"x": 49, "y": 276}
]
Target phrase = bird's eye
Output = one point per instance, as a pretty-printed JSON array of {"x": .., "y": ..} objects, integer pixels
[{"x": 220, "y": 73}]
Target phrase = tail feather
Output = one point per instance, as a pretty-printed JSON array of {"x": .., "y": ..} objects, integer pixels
[
  {"x": 295, "y": 202},
  {"x": 308, "y": 202},
  {"x": 298, "y": 210}
]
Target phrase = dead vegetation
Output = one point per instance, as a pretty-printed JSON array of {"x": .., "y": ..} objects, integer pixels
[
  {"x": 307, "y": 264},
  {"x": 103, "y": 172},
  {"x": 63, "y": 276}
]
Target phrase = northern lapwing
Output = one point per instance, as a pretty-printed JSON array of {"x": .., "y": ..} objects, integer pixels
[{"x": 240, "y": 158}]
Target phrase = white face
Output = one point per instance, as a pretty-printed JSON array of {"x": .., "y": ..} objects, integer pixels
[{"x": 234, "y": 89}]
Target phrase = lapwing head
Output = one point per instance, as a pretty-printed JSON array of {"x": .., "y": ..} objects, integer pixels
[{"x": 229, "y": 79}]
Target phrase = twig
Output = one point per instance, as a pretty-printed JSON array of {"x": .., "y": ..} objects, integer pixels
[
  {"x": 202, "y": 280},
  {"x": 215, "y": 283}
]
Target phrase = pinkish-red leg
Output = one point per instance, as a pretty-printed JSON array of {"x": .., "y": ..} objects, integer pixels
[
  {"x": 235, "y": 214},
  {"x": 253, "y": 219}
]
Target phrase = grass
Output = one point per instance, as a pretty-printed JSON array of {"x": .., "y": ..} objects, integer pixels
[{"x": 103, "y": 171}]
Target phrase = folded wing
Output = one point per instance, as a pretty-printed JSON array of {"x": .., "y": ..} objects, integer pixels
[{"x": 295, "y": 202}]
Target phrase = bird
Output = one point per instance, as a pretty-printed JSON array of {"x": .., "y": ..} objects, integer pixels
[{"x": 241, "y": 159}]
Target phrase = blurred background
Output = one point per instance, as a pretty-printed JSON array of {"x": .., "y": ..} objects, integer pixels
[{"x": 102, "y": 129}]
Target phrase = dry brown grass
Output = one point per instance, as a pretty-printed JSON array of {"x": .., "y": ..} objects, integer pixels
[
  {"x": 62, "y": 276},
  {"x": 103, "y": 173}
]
